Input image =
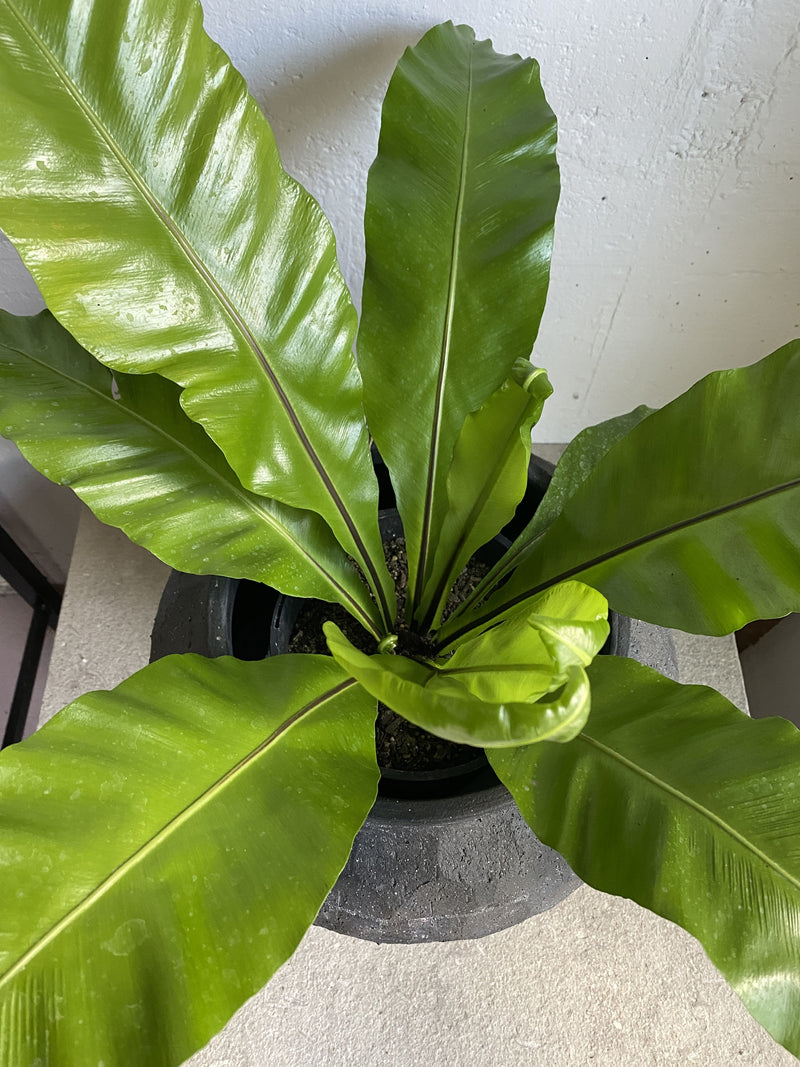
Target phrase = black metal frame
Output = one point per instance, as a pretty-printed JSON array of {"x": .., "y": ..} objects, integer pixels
[{"x": 29, "y": 582}]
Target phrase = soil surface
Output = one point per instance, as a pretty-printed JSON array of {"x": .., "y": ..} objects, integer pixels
[{"x": 401, "y": 746}]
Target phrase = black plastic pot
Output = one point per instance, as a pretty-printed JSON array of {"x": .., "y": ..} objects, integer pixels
[{"x": 441, "y": 857}]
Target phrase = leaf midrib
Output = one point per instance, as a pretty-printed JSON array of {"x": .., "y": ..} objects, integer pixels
[
  {"x": 237, "y": 491},
  {"x": 499, "y": 668},
  {"x": 689, "y": 801},
  {"x": 152, "y": 201},
  {"x": 229, "y": 309},
  {"x": 561, "y": 638},
  {"x": 467, "y": 527},
  {"x": 620, "y": 550},
  {"x": 444, "y": 360},
  {"x": 170, "y": 827}
]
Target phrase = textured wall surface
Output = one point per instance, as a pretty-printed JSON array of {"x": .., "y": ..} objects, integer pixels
[{"x": 676, "y": 247}]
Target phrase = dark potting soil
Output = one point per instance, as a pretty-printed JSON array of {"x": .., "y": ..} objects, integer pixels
[{"x": 401, "y": 746}]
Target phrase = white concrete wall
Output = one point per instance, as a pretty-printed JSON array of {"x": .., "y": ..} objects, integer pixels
[
  {"x": 680, "y": 153},
  {"x": 676, "y": 249}
]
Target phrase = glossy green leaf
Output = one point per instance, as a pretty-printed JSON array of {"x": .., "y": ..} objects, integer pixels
[
  {"x": 141, "y": 464},
  {"x": 487, "y": 478},
  {"x": 693, "y": 519},
  {"x": 580, "y": 457},
  {"x": 444, "y": 706},
  {"x": 163, "y": 848},
  {"x": 524, "y": 681},
  {"x": 143, "y": 190},
  {"x": 674, "y": 798},
  {"x": 571, "y": 620},
  {"x": 459, "y": 225}
]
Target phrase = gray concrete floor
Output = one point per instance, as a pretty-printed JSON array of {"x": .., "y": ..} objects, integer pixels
[{"x": 597, "y": 981}]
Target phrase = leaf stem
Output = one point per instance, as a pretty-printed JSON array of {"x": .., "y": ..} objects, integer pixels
[
  {"x": 444, "y": 359},
  {"x": 447, "y": 576}
]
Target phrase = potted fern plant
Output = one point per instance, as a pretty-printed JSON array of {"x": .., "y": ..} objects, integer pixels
[{"x": 194, "y": 382}]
